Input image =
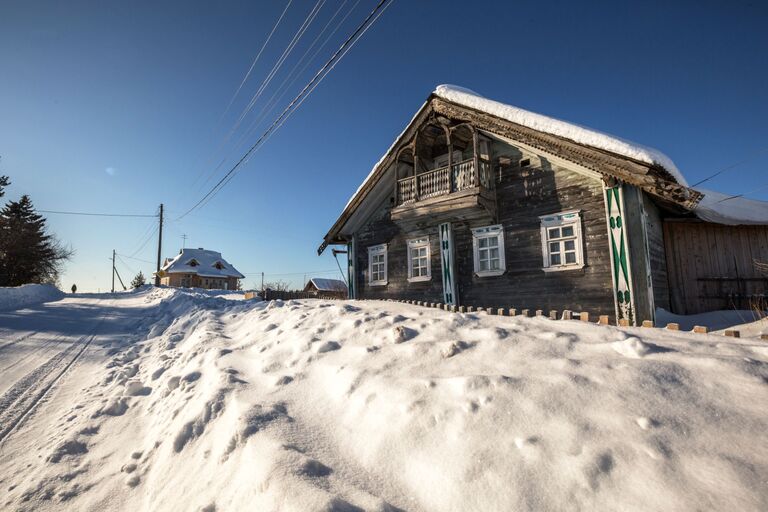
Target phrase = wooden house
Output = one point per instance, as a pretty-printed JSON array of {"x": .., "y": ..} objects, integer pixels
[
  {"x": 199, "y": 268},
  {"x": 485, "y": 204},
  {"x": 326, "y": 288}
]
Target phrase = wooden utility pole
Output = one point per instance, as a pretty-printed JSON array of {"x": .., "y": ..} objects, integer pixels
[
  {"x": 262, "y": 283},
  {"x": 159, "y": 247},
  {"x": 113, "y": 271}
]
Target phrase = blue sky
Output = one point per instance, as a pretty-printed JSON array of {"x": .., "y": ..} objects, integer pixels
[{"x": 115, "y": 107}]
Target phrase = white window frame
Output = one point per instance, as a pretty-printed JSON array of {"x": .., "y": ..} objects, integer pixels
[
  {"x": 495, "y": 231},
  {"x": 419, "y": 243},
  {"x": 561, "y": 220},
  {"x": 376, "y": 250}
]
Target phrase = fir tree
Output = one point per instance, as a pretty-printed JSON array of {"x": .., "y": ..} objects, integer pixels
[
  {"x": 139, "y": 280},
  {"x": 27, "y": 253}
]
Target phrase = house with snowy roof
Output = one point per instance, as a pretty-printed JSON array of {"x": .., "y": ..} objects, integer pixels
[
  {"x": 486, "y": 204},
  {"x": 199, "y": 268},
  {"x": 327, "y": 287}
]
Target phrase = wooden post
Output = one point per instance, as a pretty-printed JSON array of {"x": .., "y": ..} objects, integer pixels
[
  {"x": 732, "y": 333},
  {"x": 603, "y": 320},
  {"x": 462, "y": 309},
  {"x": 525, "y": 312},
  {"x": 512, "y": 312},
  {"x": 623, "y": 322},
  {"x": 491, "y": 311},
  {"x": 567, "y": 314},
  {"x": 647, "y": 323},
  {"x": 700, "y": 329},
  {"x": 501, "y": 312},
  {"x": 764, "y": 337},
  {"x": 553, "y": 314},
  {"x": 673, "y": 326},
  {"x": 584, "y": 316},
  {"x": 539, "y": 312}
]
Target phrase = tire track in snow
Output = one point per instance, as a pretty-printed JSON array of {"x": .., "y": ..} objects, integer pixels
[
  {"x": 21, "y": 400},
  {"x": 37, "y": 351},
  {"x": 17, "y": 340}
]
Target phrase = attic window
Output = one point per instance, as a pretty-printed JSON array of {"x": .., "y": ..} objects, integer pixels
[
  {"x": 525, "y": 162},
  {"x": 193, "y": 263},
  {"x": 218, "y": 265}
]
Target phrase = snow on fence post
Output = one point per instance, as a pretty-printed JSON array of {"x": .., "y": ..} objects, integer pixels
[
  {"x": 647, "y": 323},
  {"x": 512, "y": 312},
  {"x": 700, "y": 329},
  {"x": 553, "y": 314},
  {"x": 732, "y": 333},
  {"x": 602, "y": 320},
  {"x": 623, "y": 322},
  {"x": 672, "y": 326},
  {"x": 462, "y": 309},
  {"x": 584, "y": 316},
  {"x": 491, "y": 311},
  {"x": 539, "y": 312},
  {"x": 525, "y": 312},
  {"x": 470, "y": 309},
  {"x": 567, "y": 314}
]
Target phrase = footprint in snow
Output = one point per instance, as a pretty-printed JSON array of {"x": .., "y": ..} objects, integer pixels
[{"x": 328, "y": 346}]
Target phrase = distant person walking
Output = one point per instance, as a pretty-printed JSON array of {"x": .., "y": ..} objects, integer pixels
[{"x": 74, "y": 288}]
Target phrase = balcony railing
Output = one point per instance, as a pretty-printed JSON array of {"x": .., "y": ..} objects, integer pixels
[{"x": 442, "y": 181}]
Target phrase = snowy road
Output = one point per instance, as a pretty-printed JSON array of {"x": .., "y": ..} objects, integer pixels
[{"x": 41, "y": 347}]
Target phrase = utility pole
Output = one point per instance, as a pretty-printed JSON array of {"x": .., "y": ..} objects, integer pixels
[
  {"x": 262, "y": 282},
  {"x": 159, "y": 247},
  {"x": 113, "y": 271},
  {"x": 183, "y": 241}
]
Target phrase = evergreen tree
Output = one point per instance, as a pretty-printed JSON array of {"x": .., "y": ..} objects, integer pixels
[
  {"x": 139, "y": 280},
  {"x": 27, "y": 253}
]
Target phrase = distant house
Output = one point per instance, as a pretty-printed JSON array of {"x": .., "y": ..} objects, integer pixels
[
  {"x": 485, "y": 204},
  {"x": 327, "y": 287},
  {"x": 198, "y": 268}
]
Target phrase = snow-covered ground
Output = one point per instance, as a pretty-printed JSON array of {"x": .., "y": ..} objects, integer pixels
[
  {"x": 27, "y": 295},
  {"x": 177, "y": 400}
]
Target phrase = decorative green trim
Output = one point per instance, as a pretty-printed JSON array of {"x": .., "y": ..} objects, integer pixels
[
  {"x": 619, "y": 255},
  {"x": 446, "y": 260}
]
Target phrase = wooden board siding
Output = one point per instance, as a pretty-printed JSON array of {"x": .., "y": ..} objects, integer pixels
[
  {"x": 712, "y": 266},
  {"x": 654, "y": 229},
  {"x": 523, "y": 194}
]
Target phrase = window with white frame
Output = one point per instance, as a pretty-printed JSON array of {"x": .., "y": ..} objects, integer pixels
[
  {"x": 377, "y": 265},
  {"x": 488, "y": 248},
  {"x": 561, "y": 239},
  {"x": 419, "y": 268}
]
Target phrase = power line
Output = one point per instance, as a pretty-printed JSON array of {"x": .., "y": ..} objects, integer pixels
[
  {"x": 299, "y": 99},
  {"x": 268, "y": 79},
  {"x": 137, "y": 259},
  {"x": 287, "y": 113},
  {"x": 145, "y": 242},
  {"x": 758, "y": 189},
  {"x": 721, "y": 171},
  {"x": 95, "y": 214},
  {"x": 256, "y": 59},
  {"x": 282, "y": 89},
  {"x": 290, "y": 273}
]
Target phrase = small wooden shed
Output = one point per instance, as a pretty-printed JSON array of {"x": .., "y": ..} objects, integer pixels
[{"x": 328, "y": 288}]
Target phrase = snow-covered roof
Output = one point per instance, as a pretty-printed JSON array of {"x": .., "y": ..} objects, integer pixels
[
  {"x": 571, "y": 131},
  {"x": 726, "y": 209},
  {"x": 328, "y": 285},
  {"x": 201, "y": 262}
]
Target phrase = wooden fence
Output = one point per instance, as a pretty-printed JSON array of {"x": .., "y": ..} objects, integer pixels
[{"x": 294, "y": 294}]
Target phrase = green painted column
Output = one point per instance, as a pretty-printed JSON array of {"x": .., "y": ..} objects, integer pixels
[{"x": 620, "y": 261}]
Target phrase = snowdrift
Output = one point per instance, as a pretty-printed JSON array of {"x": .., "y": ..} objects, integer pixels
[
  {"x": 28, "y": 295},
  {"x": 345, "y": 406}
]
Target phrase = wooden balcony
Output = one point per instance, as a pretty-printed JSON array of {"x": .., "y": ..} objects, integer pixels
[{"x": 455, "y": 188}]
